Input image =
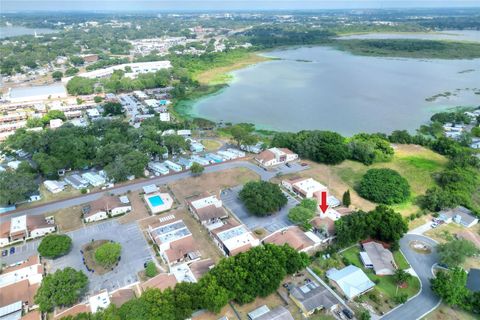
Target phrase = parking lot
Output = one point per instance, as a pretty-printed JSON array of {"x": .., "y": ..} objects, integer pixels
[
  {"x": 135, "y": 252},
  {"x": 270, "y": 223},
  {"x": 21, "y": 252}
]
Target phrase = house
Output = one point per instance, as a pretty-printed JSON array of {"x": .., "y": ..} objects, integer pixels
[
  {"x": 351, "y": 280},
  {"x": 184, "y": 133},
  {"x": 475, "y": 144},
  {"x": 311, "y": 297},
  {"x": 275, "y": 156},
  {"x": 158, "y": 168},
  {"x": 151, "y": 188},
  {"x": 104, "y": 207},
  {"x": 201, "y": 267},
  {"x": 173, "y": 166},
  {"x": 304, "y": 187},
  {"x": 264, "y": 313},
  {"x": 19, "y": 283},
  {"x": 207, "y": 209},
  {"x": 187, "y": 163},
  {"x": 56, "y": 123},
  {"x": 164, "y": 116},
  {"x": 239, "y": 153},
  {"x": 14, "y": 164},
  {"x": 376, "y": 257},
  {"x": 196, "y": 146},
  {"x": 94, "y": 179},
  {"x": 93, "y": 113},
  {"x": 214, "y": 157},
  {"x": 99, "y": 301},
  {"x": 233, "y": 238},
  {"x": 174, "y": 240},
  {"x": 122, "y": 295},
  {"x": 161, "y": 281},
  {"x": 54, "y": 186},
  {"x": 295, "y": 238},
  {"x": 200, "y": 160},
  {"x": 460, "y": 215},
  {"x": 227, "y": 155},
  {"x": 96, "y": 302},
  {"x": 257, "y": 148},
  {"x": 473, "y": 280},
  {"x": 76, "y": 181},
  {"x": 324, "y": 228},
  {"x": 24, "y": 227}
]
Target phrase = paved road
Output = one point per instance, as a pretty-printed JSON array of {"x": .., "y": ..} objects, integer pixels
[
  {"x": 49, "y": 207},
  {"x": 426, "y": 301}
]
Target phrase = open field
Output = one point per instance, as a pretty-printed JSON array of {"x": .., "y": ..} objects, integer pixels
[
  {"x": 211, "y": 145},
  {"x": 211, "y": 182},
  {"x": 444, "y": 312},
  {"x": 415, "y": 163},
  {"x": 219, "y": 75},
  {"x": 139, "y": 211},
  {"x": 47, "y": 196}
]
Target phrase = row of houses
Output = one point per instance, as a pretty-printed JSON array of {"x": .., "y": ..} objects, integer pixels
[
  {"x": 106, "y": 207},
  {"x": 25, "y": 227},
  {"x": 77, "y": 181}
]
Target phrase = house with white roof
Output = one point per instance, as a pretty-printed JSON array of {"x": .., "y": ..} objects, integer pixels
[
  {"x": 233, "y": 238},
  {"x": 351, "y": 280},
  {"x": 24, "y": 227},
  {"x": 164, "y": 116},
  {"x": 94, "y": 179},
  {"x": 207, "y": 209},
  {"x": 275, "y": 156},
  {"x": 54, "y": 186},
  {"x": 304, "y": 187}
]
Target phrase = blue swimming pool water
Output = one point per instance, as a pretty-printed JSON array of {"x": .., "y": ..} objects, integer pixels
[{"x": 155, "y": 201}]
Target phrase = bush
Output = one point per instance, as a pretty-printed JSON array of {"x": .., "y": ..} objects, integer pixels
[
  {"x": 54, "y": 246},
  {"x": 262, "y": 198},
  {"x": 151, "y": 269},
  {"x": 108, "y": 254},
  {"x": 384, "y": 186}
]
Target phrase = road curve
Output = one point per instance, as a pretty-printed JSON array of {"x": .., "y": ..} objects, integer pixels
[
  {"x": 426, "y": 301},
  {"x": 133, "y": 186}
]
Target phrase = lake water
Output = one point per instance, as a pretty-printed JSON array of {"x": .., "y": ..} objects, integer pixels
[
  {"x": 341, "y": 92},
  {"x": 13, "y": 31}
]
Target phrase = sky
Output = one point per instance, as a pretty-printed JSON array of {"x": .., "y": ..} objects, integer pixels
[{"x": 189, "y": 5}]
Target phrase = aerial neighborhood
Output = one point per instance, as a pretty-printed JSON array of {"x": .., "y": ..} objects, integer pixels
[{"x": 120, "y": 200}]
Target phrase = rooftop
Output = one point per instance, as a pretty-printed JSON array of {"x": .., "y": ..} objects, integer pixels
[
  {"x": 351, "y": 279},
  {"x": 313, "y": 296}
]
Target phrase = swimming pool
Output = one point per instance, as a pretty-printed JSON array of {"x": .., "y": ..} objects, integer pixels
[{"x": 155, "y": 201}]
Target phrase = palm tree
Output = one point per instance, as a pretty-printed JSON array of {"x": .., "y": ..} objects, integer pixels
[{"x": 400, "y": 277}]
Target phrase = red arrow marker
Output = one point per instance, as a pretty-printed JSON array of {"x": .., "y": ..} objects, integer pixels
[{"x": 324, "y": 206}]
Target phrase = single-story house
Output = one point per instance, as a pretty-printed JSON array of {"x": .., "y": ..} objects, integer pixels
[
  {"x": 351, "y": 280},
  {"x": 233, "y": 238},
  {"x": 54, "y": 186},
  {"x": 207, "y": 209},
  {"x": 196, "y": 146},
  {"x": 304, "y": 187},
  {"x": 94, "y": 179},
  {"x": 295, "y": 238},
  {"x": 161, "y": 281},
  {"x": 312, "y": 297},
  {"x": 473, "y": 280},
  {"x": 104, "y": 207},
  {"x": 275, "y": 156},
  {"x": 76, "y": 181},
  {"x": 460, "y": 215},
  {"x": 264, "y": 313},
  {"x": 151, "y": 188},
  {"x": 24, "y": 227},
  {"x": 378, "y": 258}
]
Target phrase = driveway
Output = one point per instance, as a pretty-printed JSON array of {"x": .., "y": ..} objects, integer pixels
[
  {"x": 271, "y": 223},
  {"x": 426, "y": 301},
  {"x": 135, "y": 252},
  {"x": 137, "y": 185}
]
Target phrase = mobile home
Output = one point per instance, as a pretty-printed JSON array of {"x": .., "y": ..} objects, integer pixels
[{"x": 173, "y": 166}]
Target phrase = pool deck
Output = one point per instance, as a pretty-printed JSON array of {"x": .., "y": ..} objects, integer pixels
[{"x": 167, "y": 202}]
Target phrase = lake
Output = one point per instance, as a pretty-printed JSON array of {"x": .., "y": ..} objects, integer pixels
[
  {"x": 454, "y": 35},
  {"x": 13, "y": 31},
  {"x": 342, "y": 92}
]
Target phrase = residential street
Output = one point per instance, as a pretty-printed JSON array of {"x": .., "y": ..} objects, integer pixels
[
  {"x": 50, "y": 207},
  {"x": 426, "y": 301}
]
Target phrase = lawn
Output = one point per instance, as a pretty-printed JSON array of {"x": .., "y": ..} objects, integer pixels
[
  {"x": 211, "y": 145},
  {"x": 445, "y": 312}
]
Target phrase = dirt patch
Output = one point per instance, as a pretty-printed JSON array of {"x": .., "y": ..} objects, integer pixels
[
  {"x": 88, "y": 252},
  {"x": 420, "y": 247},
  {"x": 211, "y": 182},
  {"x": 139, "y": 211},
  {"x": 68, "y": 219}
]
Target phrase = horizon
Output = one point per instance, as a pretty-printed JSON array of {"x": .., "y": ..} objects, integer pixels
[{"x": 106, "y": 6}]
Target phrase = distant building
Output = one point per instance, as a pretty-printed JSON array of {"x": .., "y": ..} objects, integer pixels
[
  {"x": 89, "y": 58},
  {"x": 275, "y": 156},
  {"x": 54, "y": 186},
  {"x": 351, "y": 280},
  {"x": 305, "y": 187},
  {"x": 76, "y": 181},
  {"x": 36, "y": 93},
  {"x": 105, "y": 207},
  {"x": 460, "y": 215},
  {"x": 161, "y": 281},
  {"x": 94, "y": 179},
  {"x": 165, "y": 116}
]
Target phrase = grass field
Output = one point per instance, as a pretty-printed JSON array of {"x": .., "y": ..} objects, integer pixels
[
  {"x": 220, "y": 75},
  {"x": 211, "y": 145},
  {"x": 415, "y": 163},
  {"x": 445, "y": 312}
]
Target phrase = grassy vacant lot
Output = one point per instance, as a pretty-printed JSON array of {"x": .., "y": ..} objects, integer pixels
[
  {"x": 211, "y": 145},
  {"x": 444, "y": 312},
  {"x": 220, "y": 75},
  {"x": 211, "y": 182},
  {"x": 68, "y": 219},
  {"x": 415, "y": 163}
]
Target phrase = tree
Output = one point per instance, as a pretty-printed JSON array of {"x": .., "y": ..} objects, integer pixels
[
  {"x": 454, "y": 253},
  {"x": 322, "y": 146},
  {"x": 300, "y": 215},
  {"x": 97, "y": 99},
  {"x": 241, "y": 133},
  {"x": 310, "y": 204},
  {"x": 175, "y": 143},
  {"x": 16, "y": 186},
  {"x": 71, "y": 72},
  {"x": 112, "y": 109},
  {"x": 213, "y": 296},
  {"x": 262, "y": 198},
  {"x": 151, "y": 269},
  {"x": 57, "y": 75},
  {"x": 346, "y": 199},
  {"x": 384, "y": 186},
  {"x": 132, "y": 163},
  {"x": 80, "y": 85},
  {"x": 54, "y": 246},
  {"x": 60, "y": 289},
  {"x": 108, "y": 254},
  {"x": 451, "y": 286},
  {"x": 197, "y": 169}
]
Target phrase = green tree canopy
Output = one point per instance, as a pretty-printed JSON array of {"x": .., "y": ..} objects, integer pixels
[
  {"x": 197, "y": 169},
  {"x": 451, "y": 286},
  {"x": 16, "y": 186},
  {"x": 300, "y": 215},
  {"x": 454, "y": 253},
  {"x": 60, "y": 289},
  {"x": 57, "y": 75},
  {"x": 262, "y": 198},
  {"x": 384, "y": 186},
  {"x": 108, "y": 254},
  {"x": 54, "y": 246}
]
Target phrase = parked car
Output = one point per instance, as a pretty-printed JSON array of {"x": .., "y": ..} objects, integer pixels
[
  {"x": 4, "y": 253},
  {"x": 348, "y": 313},
  {"x": 434, "y": 225},
  {"x": 12, "y": 250}
]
